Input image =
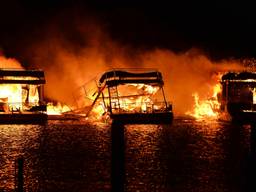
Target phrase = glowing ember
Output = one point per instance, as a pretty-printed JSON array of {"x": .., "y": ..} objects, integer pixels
[
  {"x": 56, "y": 109},
  {"x": 145, "y": 88},
  {"x": 140, "y": 100},
  {"x": 11, "y": 96},
  {"x": 254, "y": 95},
  {"x": 15, "y": 97},
  {"x": 216, "y": 90},
  {"x": 206, "y": 108},
  {"x": 33, "y": 95},
  {"x": 99, "y": 110},
  {"x": 131, "y": 98},
  {"x": 150, "y": 89}
]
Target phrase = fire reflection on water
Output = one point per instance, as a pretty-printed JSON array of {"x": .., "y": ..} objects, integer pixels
[
  {"x": 143, "y": 151},
  {"x": 188, "y": 155},
  {"x": 18, "y": 141}
]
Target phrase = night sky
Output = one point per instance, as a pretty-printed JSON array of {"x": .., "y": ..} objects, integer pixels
[{"x": 220, "y": 30}]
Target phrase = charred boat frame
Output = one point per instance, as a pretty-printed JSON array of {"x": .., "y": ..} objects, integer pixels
[
  {"x": 25, "y": 110},
  {"x": 238, "y": 96},
  {"x": 150, "y": 114}
]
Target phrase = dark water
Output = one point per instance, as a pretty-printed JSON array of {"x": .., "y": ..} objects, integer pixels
[{"x": 186, "y": 156}]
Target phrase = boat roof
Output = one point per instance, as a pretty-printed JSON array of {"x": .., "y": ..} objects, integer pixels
[
  {"x": 116, "y": 77},
  {"x": 239, "y": 76},
  {"x": 21, "y": 76}
]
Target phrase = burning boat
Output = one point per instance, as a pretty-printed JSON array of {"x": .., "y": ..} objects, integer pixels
[
  {"x": 132, "y": 97},
  {"x": 238, "y": 97},
  {"x": 21, "y": 96}
]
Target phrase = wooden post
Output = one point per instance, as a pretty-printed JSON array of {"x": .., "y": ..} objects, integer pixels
[
  {"x": 164, "y": 99},
  {"x": 109, "y": 97},
  {"x": 251, "y": 167},
  {"x": 118, "y": 157},
  {"x": 253, "y": 139},
  {"x": 20, "y": 179}
]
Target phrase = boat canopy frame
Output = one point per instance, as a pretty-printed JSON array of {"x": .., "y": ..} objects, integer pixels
[
  {"x": 21, "y": 76},
  {"x": 116, "y": 77}
]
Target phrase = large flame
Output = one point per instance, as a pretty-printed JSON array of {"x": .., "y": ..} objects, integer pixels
[
  {"x": 207, "y": 108},
  {"x": 56, "y": 109},
  {"x": 254, "y": 95},
  {"x": 141, "y": 98},
  {"x": 131, "y": 98},
  {"x": 13, "y": 97}
]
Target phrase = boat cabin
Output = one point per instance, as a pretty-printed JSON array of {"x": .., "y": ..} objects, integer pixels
[{"x": 21, "y": 96}]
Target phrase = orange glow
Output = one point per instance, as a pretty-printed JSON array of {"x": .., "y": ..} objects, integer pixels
[
  {"x": 11, "y": 96},
  {"x": 216, "y": 90},
  {"x": 135, "y": 103},
  {"x": 56, "y": 109},
  {"x": 140, "y": 99},
  {"x": 98, "y": 111},
  {"x": 207, "y": 108},
  {"x": 15, "y": 96},
  {"x": 131, "y": 98},
  {"x": 33, "y": 95},
  {"x": 254, "y": 95}
]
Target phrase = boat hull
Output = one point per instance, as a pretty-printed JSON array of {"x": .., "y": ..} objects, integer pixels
[
  {"x": 143, "y": 118},
  {"x": 28, "y": 118}
]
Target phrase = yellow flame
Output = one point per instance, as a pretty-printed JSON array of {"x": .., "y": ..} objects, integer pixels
[
  {"x": 207, "y": 108},
  {"x": 99, "y": 110},
  {"x": 18, "y": 97},
  {"x": 254, "y": 95},
  {"x": 33, "y": 95},
  {"x": 140, "y": 101},
  {"x": 56, "y": 109},
  {"x": 216, "y": 90},
  {"x": 150, "y": 89},
  {"x": 11, "y": 97}
]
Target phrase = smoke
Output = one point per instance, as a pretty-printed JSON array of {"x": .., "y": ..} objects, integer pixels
[
  {"x": 72, "y": 56},
  {"x": 68, "y": 65},
  {"x": 187, "y": 73}
]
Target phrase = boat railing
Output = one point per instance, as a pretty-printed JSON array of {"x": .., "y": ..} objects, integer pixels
[
  {"x": 141, "y": 107},
  {"x": 22, "y": 107}
]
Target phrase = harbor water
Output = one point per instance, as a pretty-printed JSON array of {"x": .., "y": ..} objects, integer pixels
[{"x": 188, "y": 155}]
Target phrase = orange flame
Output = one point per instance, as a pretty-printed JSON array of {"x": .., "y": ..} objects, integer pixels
[
  {"x": 139, "y": 100},
  {"x": 207, "y": 108},
  {"x": 13, "y": 97},
  {"x": 56, "y": 109},
  {"x": 254, "y": 95}
]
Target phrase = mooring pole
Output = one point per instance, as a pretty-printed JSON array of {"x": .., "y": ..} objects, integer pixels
[
  {"x": 253, "y": 139},
  {"x": 20, "y": 180},
  {"x": 118, "y": 157},
  {"x": 251, "y": 163}
]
